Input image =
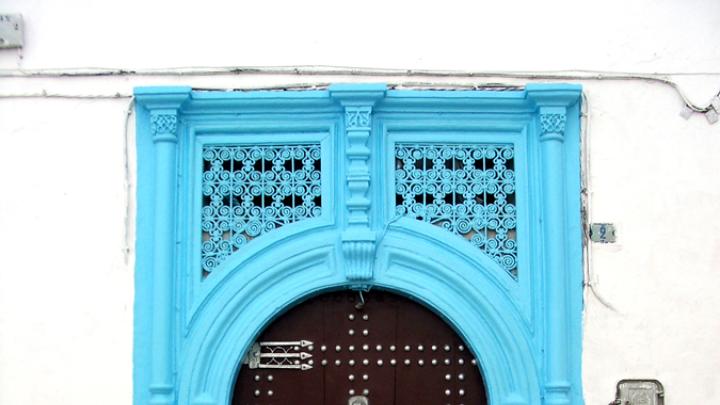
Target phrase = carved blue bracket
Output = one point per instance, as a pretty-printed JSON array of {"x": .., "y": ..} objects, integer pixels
[
  {"x": 358, "y": 239},
  {"x": 249, "y": 202}
]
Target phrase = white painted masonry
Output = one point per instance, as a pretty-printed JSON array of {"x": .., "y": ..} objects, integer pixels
[{"x": 66, "y": 290}]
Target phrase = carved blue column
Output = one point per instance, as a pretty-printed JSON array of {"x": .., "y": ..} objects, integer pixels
[
  {"x": 163, "y": 106},
  {"x": 552, "y": 130},
  {"x": 358, "y": 238},
  {"x": 552, "y": 108}
]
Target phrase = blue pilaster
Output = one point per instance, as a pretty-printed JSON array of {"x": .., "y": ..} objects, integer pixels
[
  {"x": 164, "y": 110},
  {"x": 552, "y": 105}
]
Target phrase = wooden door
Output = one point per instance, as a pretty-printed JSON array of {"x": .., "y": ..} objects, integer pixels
[{"x": 389, "y": 351}]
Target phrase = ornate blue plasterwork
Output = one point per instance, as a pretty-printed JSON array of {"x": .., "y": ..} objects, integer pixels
[
  {"x": 552, "y": 122},
  {"x": 358, "y": 239},
  {"x": 163, "y": 123},
  {"x": 250, "y": 190},
  {"x": 468, "y": 190},
  {"x": 552, "y": 125},
  {"x": 358, "y": 117},
  {"x": 191, "y": 332}
]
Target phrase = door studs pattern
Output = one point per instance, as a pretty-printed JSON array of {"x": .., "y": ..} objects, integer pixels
[{"x": 409, "y": 356}]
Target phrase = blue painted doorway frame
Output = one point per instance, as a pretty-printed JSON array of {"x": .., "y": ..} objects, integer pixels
[{"x": 466, "y": 201}]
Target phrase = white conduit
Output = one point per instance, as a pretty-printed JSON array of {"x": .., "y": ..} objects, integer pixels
[{"x": 583, "y": 75}]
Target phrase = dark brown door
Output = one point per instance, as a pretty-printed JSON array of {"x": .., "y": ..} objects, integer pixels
[{"x": 390, "y": 351}]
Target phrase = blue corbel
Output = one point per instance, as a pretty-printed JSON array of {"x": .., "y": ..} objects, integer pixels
[{"x": 358, "y": 239}]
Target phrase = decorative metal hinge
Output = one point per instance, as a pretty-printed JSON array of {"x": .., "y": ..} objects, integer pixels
[{"x": 288, "y": 355}]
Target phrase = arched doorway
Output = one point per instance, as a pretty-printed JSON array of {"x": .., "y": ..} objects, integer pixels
[
  {"x": 201, "y": 306},
  {"x": 339, "y": 347}
]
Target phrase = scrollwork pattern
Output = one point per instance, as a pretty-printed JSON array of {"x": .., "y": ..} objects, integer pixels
[
  {"x": 250, "y": 190},
  {"x": 467, "y": 189}
]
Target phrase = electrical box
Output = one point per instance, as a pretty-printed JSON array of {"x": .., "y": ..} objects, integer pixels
[
  {"x": 11, "y": 31},
  {"x": 639, "y": 392}
]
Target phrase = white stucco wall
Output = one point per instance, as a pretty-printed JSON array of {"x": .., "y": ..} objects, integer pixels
[{"x": 66, "y": 291}]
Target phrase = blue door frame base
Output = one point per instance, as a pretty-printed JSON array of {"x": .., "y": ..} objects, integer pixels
[{"x": 205, "y": 288}]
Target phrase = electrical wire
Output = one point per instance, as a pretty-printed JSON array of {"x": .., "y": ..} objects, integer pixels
[
  {"x": 586, "y": 202},
  {"x": 46, "y": 94},
  {"x": 322, "y": 70},
  {"x": 127, "y": 180},
  {"x": 310, "y": 70}
]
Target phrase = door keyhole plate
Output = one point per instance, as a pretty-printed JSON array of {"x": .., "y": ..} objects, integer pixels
[{"x": 358, "y": 400}]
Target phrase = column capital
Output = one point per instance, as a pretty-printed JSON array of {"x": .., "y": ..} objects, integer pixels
[
  {"x": 163, "y": 125},
  {"x": 551, "y": 103},
  {"x": 357, "y": 117},
  {"x": 552, "y": 123},
  {"x": 164, "y": 104}
]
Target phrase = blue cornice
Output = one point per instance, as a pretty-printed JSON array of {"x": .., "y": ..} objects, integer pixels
[
  {"x": 203, "y": 101},
  {"x": 553, "y": 95},
  {"x": 162, "y": 98}
]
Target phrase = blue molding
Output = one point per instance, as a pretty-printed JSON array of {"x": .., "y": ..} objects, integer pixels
[{"x": 191, "y": 332}]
